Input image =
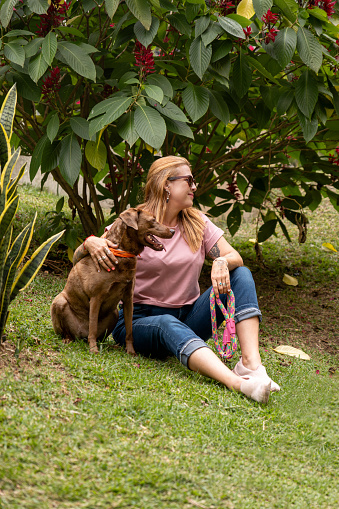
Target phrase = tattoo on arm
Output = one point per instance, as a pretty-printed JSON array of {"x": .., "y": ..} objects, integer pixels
[
  {"x": 79, "y": 254},
  {"x": 214, "y": 252}
]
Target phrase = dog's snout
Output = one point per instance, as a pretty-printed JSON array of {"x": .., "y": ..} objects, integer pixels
[{"x": 172, "y": 231}]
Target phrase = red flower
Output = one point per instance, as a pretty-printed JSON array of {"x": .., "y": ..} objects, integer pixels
[
  {"x": 270, "y": 18},
  {"x": 55, "y": 17},
  {"x": 271, "y": 35},
  {"x": 325, "y": 5},
  {"x": 247, "y": 31},
  {"x": 224, "y": 7},
  {"x": 144, "y": 58},
  {"x": 50, "y": 85},
  {"x": 233, "y": 188}
]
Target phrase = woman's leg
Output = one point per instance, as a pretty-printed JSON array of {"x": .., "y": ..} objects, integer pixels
[
  {"x": 247, "y": 316},
  {"x": 165, "y": 334},
  {"x": 205, "y": 362}
]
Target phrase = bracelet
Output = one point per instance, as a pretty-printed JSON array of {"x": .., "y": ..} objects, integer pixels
[
  {"x": 83, "y": 244},
  {"x": 221, "y": 258}
]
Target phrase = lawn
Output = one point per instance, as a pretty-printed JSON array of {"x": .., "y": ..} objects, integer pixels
[{"x": 111, "y": 431}]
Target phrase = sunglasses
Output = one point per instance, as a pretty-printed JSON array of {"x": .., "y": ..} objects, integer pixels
[{"x": 189, "y": 179}]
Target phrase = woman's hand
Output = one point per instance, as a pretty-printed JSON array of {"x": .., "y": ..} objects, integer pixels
[
  {"x": 220, "y": 276},
  {"x": 98, "y": 248}
]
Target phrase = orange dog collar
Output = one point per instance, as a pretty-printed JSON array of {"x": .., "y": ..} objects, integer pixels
[{"x": 121, "y": 254}]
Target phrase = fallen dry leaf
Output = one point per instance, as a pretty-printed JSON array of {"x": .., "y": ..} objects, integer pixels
[
  {"x": 293, "y": 352},
  {"x": 326, "y": 246},
  {"x": 290, "y": 280}
]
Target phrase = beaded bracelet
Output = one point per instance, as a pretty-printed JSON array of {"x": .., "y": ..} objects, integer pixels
[{"x": 83, "y": 244}]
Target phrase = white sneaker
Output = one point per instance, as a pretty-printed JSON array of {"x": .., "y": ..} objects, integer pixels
[{"x": 260, "y": 372}]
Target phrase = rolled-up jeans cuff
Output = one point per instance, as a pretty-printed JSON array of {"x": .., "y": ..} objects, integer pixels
[
  {"x": 191, "y": 346},
  {"x": 244, "y": 314}
]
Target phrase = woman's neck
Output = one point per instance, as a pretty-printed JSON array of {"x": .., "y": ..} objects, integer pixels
[{"x": 170, "y": 219}]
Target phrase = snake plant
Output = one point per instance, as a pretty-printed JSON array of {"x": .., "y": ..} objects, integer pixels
[{"x": 15, "y": 272}]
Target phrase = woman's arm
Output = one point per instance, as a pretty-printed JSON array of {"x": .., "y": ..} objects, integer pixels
[
  {"x": 225, "y": 258},
  {"x": 98, "y": 248}
]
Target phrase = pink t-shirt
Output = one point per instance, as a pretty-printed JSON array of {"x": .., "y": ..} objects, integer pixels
[{"x": 170, "y": 278}]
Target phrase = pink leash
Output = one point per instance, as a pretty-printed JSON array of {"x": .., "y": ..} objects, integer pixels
[{"x": 229, "y": 340}]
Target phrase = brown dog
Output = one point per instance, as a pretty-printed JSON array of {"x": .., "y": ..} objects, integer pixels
[{"x": 87, "y": 307}]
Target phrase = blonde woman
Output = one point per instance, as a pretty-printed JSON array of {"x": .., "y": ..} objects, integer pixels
[{"x": 170, "y": 316}]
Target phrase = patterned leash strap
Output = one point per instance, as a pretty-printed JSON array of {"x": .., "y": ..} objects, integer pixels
[{"x": 229, "y": 341}]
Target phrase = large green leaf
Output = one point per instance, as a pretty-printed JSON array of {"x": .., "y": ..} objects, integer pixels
[
  {"x": 37, "y": 156},
  {"x": 37, "y": 67},
  {"x": 309, "y": 49},
  {"x": 201, "y": 25},
  {"x": 150, "y": 126},
  {"x": 38, "y": 6},
  {"x": 179, "y": 22},
  {"x": 30, "y": 269},
  {"x": 284, "y": 45},
  {"x": 96, "y": 154},
  {"x": 26, "y": 87},
  {"x": 49, "y": 47},
  {"x": 53, "y": 127},
  {"x": 306, "y": 93},
  {"x": 261, "y": 7},
  {"x": 261, "y": 69},
  {"x": 77, "y": 59},
  {"x": 81, "y": 127},
  {"x": 7, "y": 111},
  {"x": 111, "y": 7},
  {"x": 126, "y": 128},
  {"x": 232, "y": 27},
  {"x": 50, "y": 156},
  {"x": 171, "y": 110},
  {"x": 180, "y": 128},
  {"x": 114, "y": 108},
  {"x": 200, "y": 56},
  {"x": 219, "y": 107},
  {"x": 234, "y": 219},
  {"x": 6, "y": 12},
  {"x": 15, "y": 53},
  {"x": 154, "y": 92},
  {"x": 162, "y": 82},
  {"x": 33, "y": 47},
  {"x": 242, "y": 75},
  {"x": 285, "y": 99},
  {"x": 142, "y": 11},
  {"x": 146, "y": 36},
  {"x": 309, "y": 127},
  {"x": 196, "y": 101},
  {"x": 267, "y": 229},
  {"x": 211, "y": 33},
  {"x": 70, "y": 159},
  {"x": 289, "y": 8}
]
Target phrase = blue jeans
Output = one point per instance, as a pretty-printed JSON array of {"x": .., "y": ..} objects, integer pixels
[{"x": 159, "y": 332}]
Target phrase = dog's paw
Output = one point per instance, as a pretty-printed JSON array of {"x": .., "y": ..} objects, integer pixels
[
  {"x": 94, "y": 349},
  {"x": 130, "y": 350}
]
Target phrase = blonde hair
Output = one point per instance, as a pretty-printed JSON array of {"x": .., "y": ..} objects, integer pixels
[{"x": 191, "y": 222}]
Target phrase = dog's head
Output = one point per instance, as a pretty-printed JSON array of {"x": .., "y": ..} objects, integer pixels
[{"x": 146, "y": 228}]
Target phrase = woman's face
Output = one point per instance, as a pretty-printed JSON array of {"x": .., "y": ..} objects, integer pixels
[{"x": 182, "y": 193}]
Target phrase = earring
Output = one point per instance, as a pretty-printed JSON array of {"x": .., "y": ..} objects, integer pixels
[{"x": 168, "y": 195}]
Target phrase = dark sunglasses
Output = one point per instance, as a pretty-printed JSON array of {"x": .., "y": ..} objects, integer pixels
[{"x": 189, "y": 179}]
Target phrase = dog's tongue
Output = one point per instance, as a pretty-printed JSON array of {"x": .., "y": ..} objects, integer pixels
[{"x": 155, "y": 242}]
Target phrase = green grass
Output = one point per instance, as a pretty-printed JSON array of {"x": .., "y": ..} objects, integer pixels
[{"x": 111, "y": 431}]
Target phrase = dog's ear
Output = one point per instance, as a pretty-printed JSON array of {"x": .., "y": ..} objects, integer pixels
[{"x": 130, "y": 217}]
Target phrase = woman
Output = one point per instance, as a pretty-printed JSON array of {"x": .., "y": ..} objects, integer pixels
[{"x": 170, "y": 316}]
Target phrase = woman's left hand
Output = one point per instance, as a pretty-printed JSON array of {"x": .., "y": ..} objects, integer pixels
[{"x": 220, "y": 276}]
